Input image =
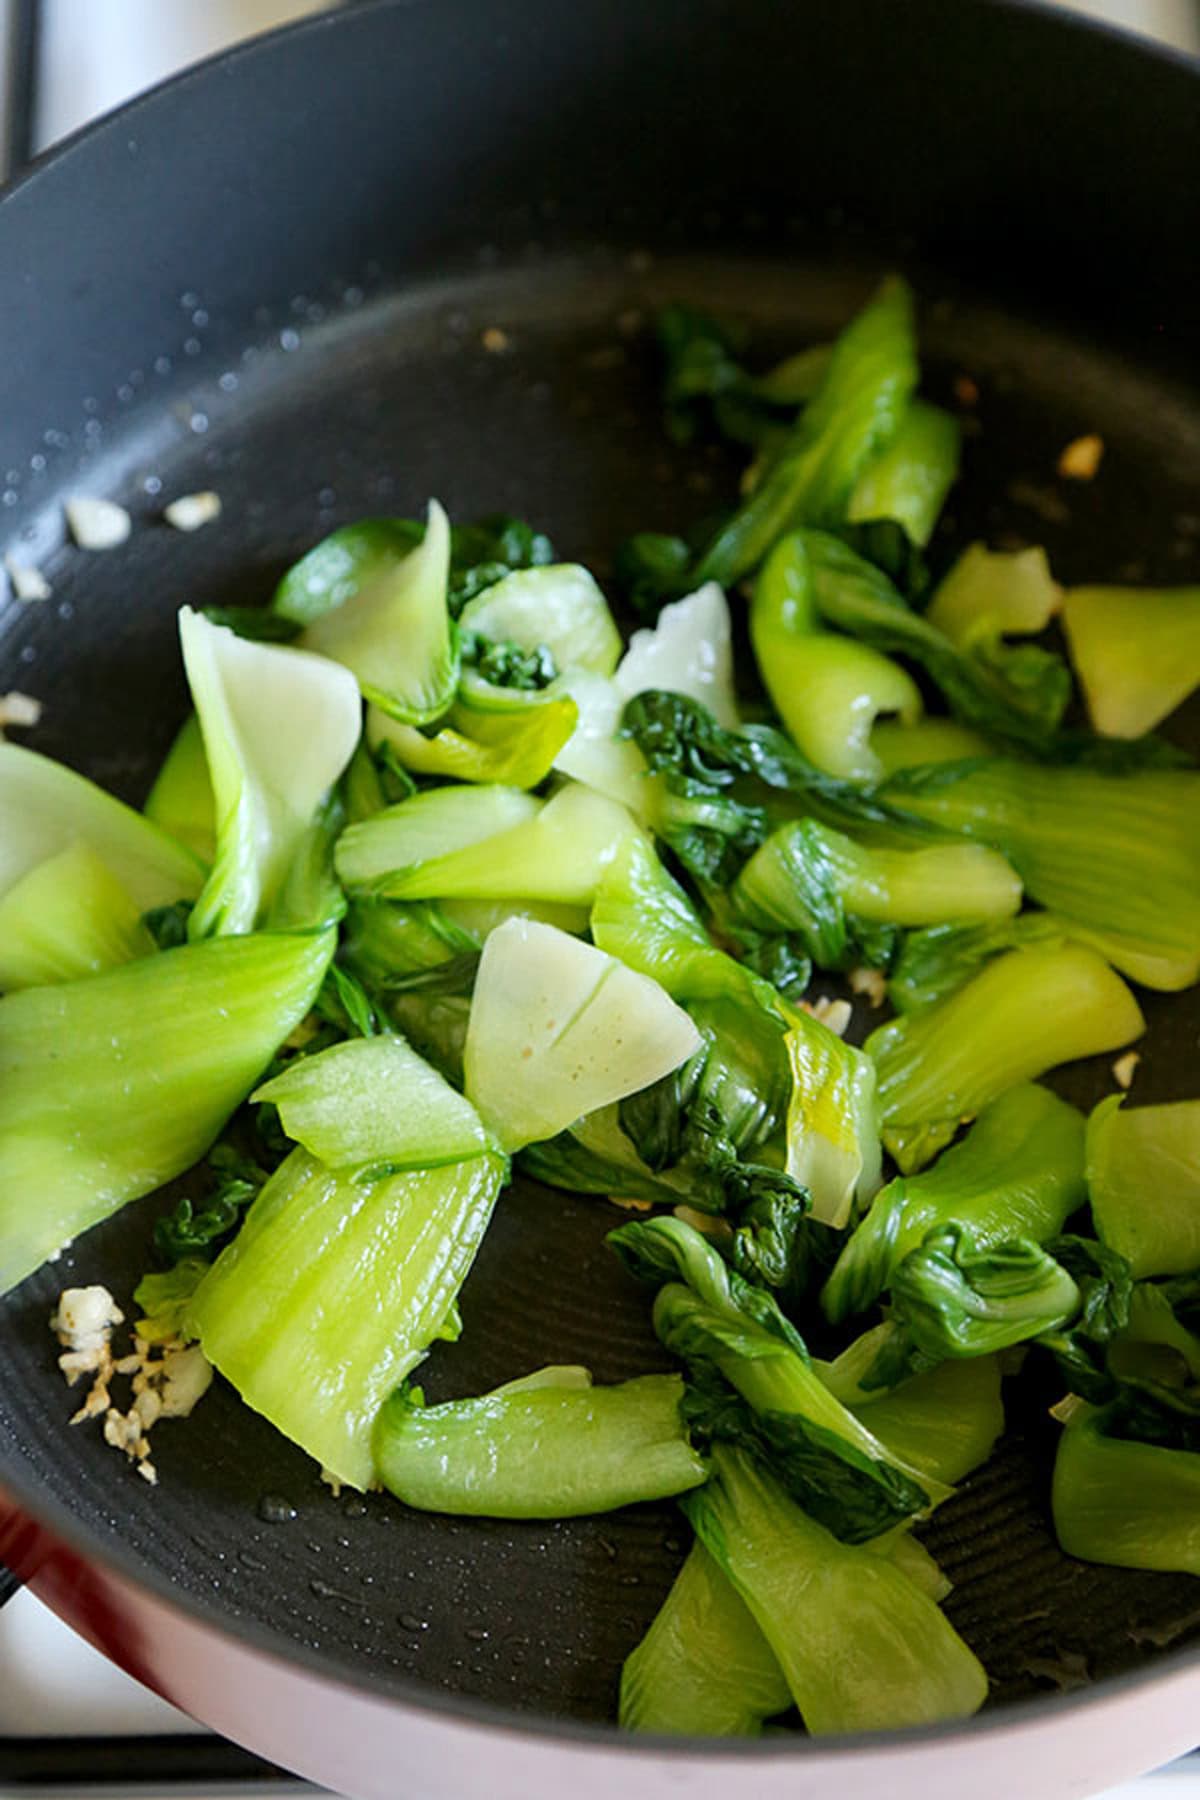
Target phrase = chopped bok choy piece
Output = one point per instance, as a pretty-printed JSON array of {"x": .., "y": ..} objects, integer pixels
[
  {"x": 114, "y": 1084},
  {"x": 1017, "y": 1173},
  {"x": 279, "y": 727},
  {"x": 703, "y": 1669},
  {"x": 855, "y": 413},
  {"x": 937, "y": 959},
  {"x": 373, "y": 1102},
  {"x": 554, "y": 850},
  {"x": 733, "y": 1336},
  {"x": 181, "y": 800},
  {"x": 954, "y": 1299},
  {"x": 942, "y": 1422},
  {"x": 516, "y": 741},
  {"x": 1015, "y": 692},
  {"x": 990, "y": 594},
  {"x": 387, "y": 942},
  {"x": 689, "y": 651},
  {"x": 809, "y": 879},
  {"x": 46, "y": 808},
  {"x": 372, "y": 601},
  {"x": 1136, "y": 652},
  {"x": 558, "y": 607},
  {"x": 861, "y": 1646},
  {"x": 909, "y": 481},
  {"x": 334, "y": 1289},
  {"x": 828, "y": 690},
  {"x": 66, "y": 917},
  {"x": 1143, "y": 1175},
  {"x": 1117, "y": 857},
  {"x": 1130, "y": 1504},
  {"x": 595, "y": 753},
  {"x": 833, "y": 1144},
  {"x": 558, "y": 1029},
  {"x": 377, "y": 854},
  {"x": 769, "y": 1065},
  {"x": 1024, "y": 1013},
  {"x": 896, "y": 746},
  {"x": 551, "y": 1451}
]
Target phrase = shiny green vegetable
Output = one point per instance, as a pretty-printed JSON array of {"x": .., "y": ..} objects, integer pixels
[
  {"x": 116, "y": 1083},
  {"x": 1132, "y": 1504},
  {"x": 334, "y": 1289},
  {"x": 66, "y": 917},
  {"x": 279, "y": 727},
  {"x": 861, "y": 1646},
  {"x": 852, "y": 417},
  {"x": 703, "y": 1668},
  {"x": 376, "y": 602},
  {"x": 1136, "y": 651},
  {"x": 1017, "y": 1173},
  {"x": 545, "y": 1447},
  {"x": 828, "y": 690},
  {"x": 1143, "y": 1175},
  {"x": 946, "y": 1062},
  {"x": 1116, "y": 857},
  {"x": 909, "y": 481}
]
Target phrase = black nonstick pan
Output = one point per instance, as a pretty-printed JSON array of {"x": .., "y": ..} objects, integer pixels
[{"x": 412, "y": 249}]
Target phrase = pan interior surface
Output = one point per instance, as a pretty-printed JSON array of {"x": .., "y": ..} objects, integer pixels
[
  {"x": 209, "y": 298},
  {"x": 377, "y": 410}
]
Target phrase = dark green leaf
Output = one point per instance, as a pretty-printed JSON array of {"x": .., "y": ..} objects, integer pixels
[
  {"x": 168, "y": 925},
  {"x": 507, "y": 665},
  {"x": 258, "y": 623},
  {"x": 196, "y": 1228}
]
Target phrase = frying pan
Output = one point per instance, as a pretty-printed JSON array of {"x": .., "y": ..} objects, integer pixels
[{"x": 273, "y": 277}]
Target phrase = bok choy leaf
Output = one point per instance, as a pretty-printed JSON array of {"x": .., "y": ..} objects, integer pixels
[
  {"x": 334, "y": 1289},
  {"x": 553, "y": 1450},
  {"x": 114, "y": 1084},
  {"x": 1116, "y": 857},
  {"x": 66, "y": 917},
  {"x": 704, "y": 1668},
  {"x": 279, "y": 727},
  {"x": 828, "y": 690},
  {"x": 852, "y": 417},
  {"x": 1136, "y": 651},
  {"x": 372, "y": 1102},
  {"x": 733, "y": 1336},
  {"x": 946, "y": 1062},
  {"x": 1017, "y": 1173},
  {"x": 46, "y": 808},
  {"x": 376, "y": 603},
  {"x": 558, "y": 1029},
  {"x": 861, "y": 1646},
  {"x": 1119, "y": 1501},
  {"x": 909, "y": 480},
  {"x": 1143, "y": 1175},
  {"x": 181, "y": 800}
]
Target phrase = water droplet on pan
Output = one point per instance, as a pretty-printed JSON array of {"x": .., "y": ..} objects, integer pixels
[{"x": 275, "y": 1510}]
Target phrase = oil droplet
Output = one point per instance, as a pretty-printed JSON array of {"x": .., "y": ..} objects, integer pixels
[
  {"x": 275, "y": 1510},
  {"x": 289, "y": 339}
]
